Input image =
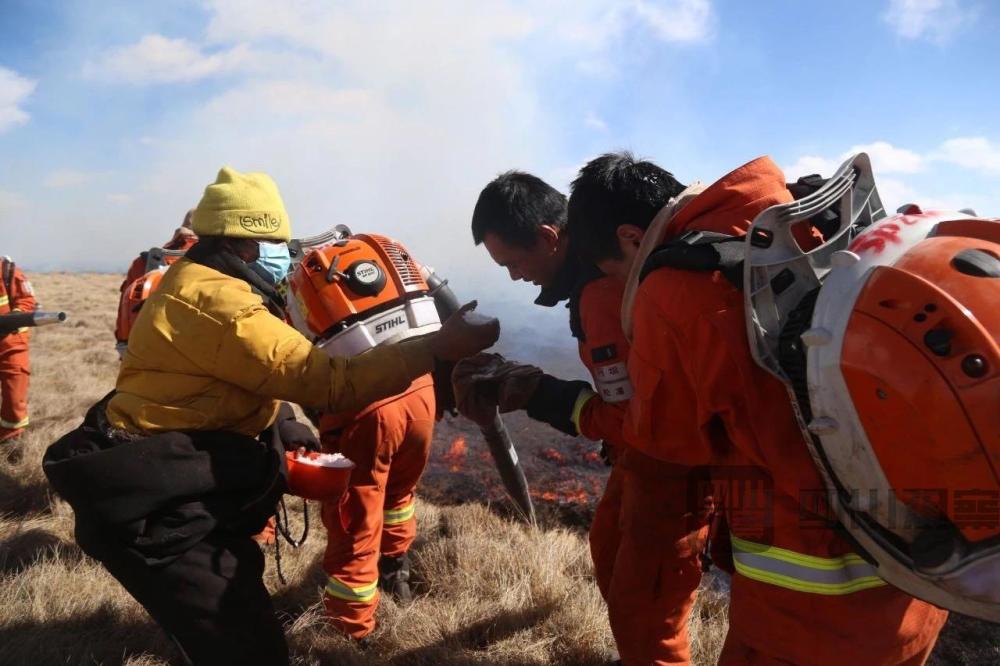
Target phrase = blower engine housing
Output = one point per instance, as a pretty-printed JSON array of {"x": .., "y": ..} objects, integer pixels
[{"x": 359, "y": 292}]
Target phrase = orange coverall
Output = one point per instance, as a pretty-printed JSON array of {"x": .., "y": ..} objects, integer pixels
[
  {"x": 16, "y": 295},
  {"x": 800, "y": 595},
  {"x": 644, "y": 542},
  {"x": 389, "y": 442}
]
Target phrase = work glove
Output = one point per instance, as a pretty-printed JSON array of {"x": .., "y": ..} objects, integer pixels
[
  {"x": 444, "y": 394},
  {"x": 607, "y": 454},
  {"x": 463, "y": 334},
  {"x": 294, "y": 435},
  {"x": 486, "y": 382}
]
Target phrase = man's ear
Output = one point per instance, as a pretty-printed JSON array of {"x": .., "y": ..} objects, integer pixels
[
  {"x": 630, "y": 234},
  {"x": 548, "y": 236}
]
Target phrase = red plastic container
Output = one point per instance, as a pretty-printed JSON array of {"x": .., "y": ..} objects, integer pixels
[{"x": 318, "y": 476}]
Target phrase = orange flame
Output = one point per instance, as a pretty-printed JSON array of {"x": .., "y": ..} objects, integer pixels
[
  {"x": 553, "y": 456},
  {"x": 455, "y": 457},
  {"x": 573, "y": 496}
]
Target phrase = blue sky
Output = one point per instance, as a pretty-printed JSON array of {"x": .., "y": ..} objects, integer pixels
[{"x": 391, "y": 116}]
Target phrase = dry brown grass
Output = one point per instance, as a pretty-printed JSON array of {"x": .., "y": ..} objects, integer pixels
[{"x": 490, "y": 591}]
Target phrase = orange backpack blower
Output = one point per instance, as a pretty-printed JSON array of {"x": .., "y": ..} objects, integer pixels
[
  {"x": 888, "y": 338},
  {"x": 131, "y": 302},
  {"x": 358, "y": 292}
]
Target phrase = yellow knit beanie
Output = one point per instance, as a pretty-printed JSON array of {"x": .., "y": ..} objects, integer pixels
[{"x": 242, "y": 205}]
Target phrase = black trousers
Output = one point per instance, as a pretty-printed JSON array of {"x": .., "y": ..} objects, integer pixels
[{"x": 211, "y": 600}]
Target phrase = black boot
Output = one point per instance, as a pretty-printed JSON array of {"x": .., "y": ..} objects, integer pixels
[{"x": 394, "y": 577}]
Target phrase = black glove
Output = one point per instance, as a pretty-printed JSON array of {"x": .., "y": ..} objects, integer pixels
[
  {"x": 294, "y": 435},
  {"x": 606, "y": 454},
  {"x": 553, "y": 402},
  {"x": 444, "y": 394}
]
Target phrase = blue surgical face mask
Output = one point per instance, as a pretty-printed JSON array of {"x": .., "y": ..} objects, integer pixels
[{"x": 274, "y": 260}]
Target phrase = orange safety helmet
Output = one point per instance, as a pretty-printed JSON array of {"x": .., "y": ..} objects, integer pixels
[
  {"x": 889, "y": 342},
  {"x": 318, "y": 476},
  {"x": 357, "y": 292},
  {"x": 131, "y": 302}
]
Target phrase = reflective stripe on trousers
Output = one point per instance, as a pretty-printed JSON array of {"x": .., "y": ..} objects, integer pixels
[
  {"x": 23, "y": 423},
  {"x": 803, "y": 573},
  {"x": 363, "y": 593},
  {"x": 400, "y": 515}
]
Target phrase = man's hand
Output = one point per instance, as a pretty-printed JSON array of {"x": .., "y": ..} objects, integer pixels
[
  {"x": 464, "y": 333},
  {"x": 294, "y": 435},
  {"x": 485, "y": 383}
]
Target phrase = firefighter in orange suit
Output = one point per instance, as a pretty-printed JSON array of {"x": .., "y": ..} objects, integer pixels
[
  {"x": 16, "y": 295},
  {"x": 359, "y": 293},
  {"x": 521, "y": 221},
  {"x": 370, "y": 531},
  {"x": 659, "y": 537},
  {"x": 800, "y": 593}
]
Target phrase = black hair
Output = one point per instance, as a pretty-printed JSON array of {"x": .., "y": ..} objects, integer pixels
[
  {"x": 612, "y": 190},
  {"x": 514, "y": 205}
]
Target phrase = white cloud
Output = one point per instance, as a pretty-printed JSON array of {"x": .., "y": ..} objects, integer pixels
[
  {"x": 359, "y": 32},
  {"x": 934, "y": 20},
  {"x": 594, "y": 25},
  {"x": 63, "y": 178},
  {"x": 394, "y": 123},
  {"x": 977, "y": 153},
  {"x": 14, "y": 89},
  {"x": 810, "y": 164},
  {"x": 593, "y": 121},
  {"x": 895, "y": 193},
  {"x": 11, "y": 202},
  {"x": 974, "y": 153},
  {"x": 293, "y": 99},
  {"x": 159, "y": 59},
  {"x": 677, "y": 21},
  {"x": 393, "y": 118},
  {"x": 887, "y": 158}
]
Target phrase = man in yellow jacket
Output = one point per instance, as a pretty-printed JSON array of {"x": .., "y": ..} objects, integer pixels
[{"x": 170, "y": 476}]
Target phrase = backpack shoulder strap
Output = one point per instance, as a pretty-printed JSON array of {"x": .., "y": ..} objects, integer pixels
[
  {"x": 702, "y": 251},
  {"x": 8, "y": 274},
  {"x": 588, "y": 274}
]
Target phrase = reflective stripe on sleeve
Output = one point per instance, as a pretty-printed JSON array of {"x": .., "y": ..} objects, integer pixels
[
  {"x": 400, "y": 515},
  {"x": 339, "y": 590},
  {"x": 803, "y": 573},
  {"x": 581, "y": 401}
]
